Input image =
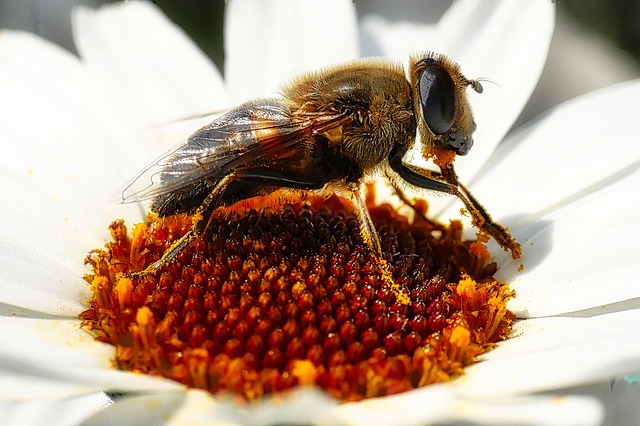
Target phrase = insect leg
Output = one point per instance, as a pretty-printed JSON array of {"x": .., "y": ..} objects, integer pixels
[
  {"x": 353, "y": 194},
  {"x": 482, "y": 219},
  {"x": 367, "y": 229},
  {"x": 435, "y": 181},
  {"x": 198, "y": 226},
  {"x": 403, "y": 197},
  {"x": 372, "y": 239}
]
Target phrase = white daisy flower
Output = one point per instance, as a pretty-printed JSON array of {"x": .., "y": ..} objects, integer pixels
[{"x": 75, "y": 129}]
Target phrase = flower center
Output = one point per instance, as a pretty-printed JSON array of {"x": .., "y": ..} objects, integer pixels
[{"x": 267, "y": 301}]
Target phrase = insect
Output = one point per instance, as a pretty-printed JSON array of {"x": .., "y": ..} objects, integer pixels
[{"x": 328, "y": 133}]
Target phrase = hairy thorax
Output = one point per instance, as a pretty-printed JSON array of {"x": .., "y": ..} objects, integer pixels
[{"x": 375, "y": 94}]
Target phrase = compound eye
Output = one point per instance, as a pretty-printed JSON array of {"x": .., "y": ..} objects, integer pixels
[{"x": 437, "y": 98}]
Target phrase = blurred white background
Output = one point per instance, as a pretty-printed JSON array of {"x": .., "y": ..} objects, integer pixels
[{"x": 596, "y": 43}]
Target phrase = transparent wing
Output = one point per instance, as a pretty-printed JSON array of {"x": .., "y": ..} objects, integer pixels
[{"x": 257, "y": 131}]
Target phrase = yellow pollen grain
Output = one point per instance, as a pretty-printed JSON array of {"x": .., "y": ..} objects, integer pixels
[
  {"x": 479, "y": 248},
  {"x": 496, "y": 303},
  {"x": 460, "y": 337},
  {"x": 139, "y": 234},
  {"x": 305, "y": 371},
  {"x": 144, "y": 316},
  {"x": 118, "y": 231},
  {"x": 124, "y": 288},
  {"x": 466, "y": 287},
  {"x": 374, "y": 384},
  {"x": 139, "y": 230},
  {"x": 98, "y": 283},
  {"x": 298, "y": 289},
  {"x": 100, "y": 287},
  {"x": 402, "y": 295}
]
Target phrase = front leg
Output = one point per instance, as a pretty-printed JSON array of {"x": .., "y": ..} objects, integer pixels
[{"x": 447, "y": 182}]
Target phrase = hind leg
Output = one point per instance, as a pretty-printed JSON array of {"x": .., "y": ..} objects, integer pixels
[
  {"x": 199, "y": 222},
  {"x": 202, "y": 216}
]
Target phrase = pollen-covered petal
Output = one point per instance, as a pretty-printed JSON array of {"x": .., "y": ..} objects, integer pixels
[
  {"x": 151, "y": 69},
  {"x": 32, "y": 281},
  {"x": 49, "y": 358},
  {"x": 582, "y": 256},
  {"x": 267, "y": 43},
  {"x": 52, "y": 412},
  {"x": 549, "y": 356},
  {"x": 505, "y": 42},
  {"x": 563, "y": 156}
]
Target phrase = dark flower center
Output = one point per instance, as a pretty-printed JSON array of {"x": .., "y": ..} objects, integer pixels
[{"x": 266, "y": 301}]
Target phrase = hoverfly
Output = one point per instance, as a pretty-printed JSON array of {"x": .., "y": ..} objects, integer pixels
[{"x": 328, "y": 133}]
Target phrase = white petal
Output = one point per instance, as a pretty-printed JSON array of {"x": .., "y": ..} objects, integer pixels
[
  {"x": 29, "y": 280},
  {"x": 52, "y": 343},
  {"x": 440, "y": 404},
  {"x": 153, "y": 409},
  {"x": 40, "y": 221},
  {"x": 579, "y": 257},
  {"x": 199, "y": 407},
  {"x": 579, "y": 352},
  {"x": 398, "y": 40},
  {"x": 506, "y": 42},
  {"x": 20, "y": 387},
  {"x": 55, "y": 358},
  {"x": 52, "y": 224},
  {"x": 56, "y": 130},
  {"x": 576, "y": 148},
  {"x": 52, "y": 412},
  {"x": 312, "y": 407},
  {"x": 532, "y": 181},
  {"x": 267, "y": 43},
  {"x": 150, "y": 68},
  {"x": 561, "y": 409},
  {"x": 302, "y": 406},
  {"x": 28, "y": 382}
]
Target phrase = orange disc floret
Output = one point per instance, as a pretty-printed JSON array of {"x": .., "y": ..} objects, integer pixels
[{"x": 266, "y": 301}]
